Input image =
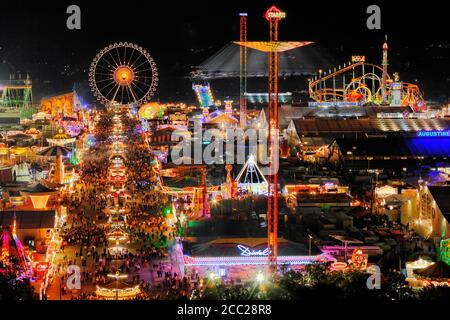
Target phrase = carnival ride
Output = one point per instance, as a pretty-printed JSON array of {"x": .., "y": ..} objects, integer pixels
[
  {"x": 359, "y": 82},
  {"x": 61, "y": 139},
  {"x": 152, "y": 111},
  {"x": 117, "y": 289},
  {"x": 200, "y": 207},
  {"x": 251, "y": 179},
  {"x": 16, "y": 94},
  {"x": 204, "y": 94},
  {"x": 243, "y": 70},
  {"x": 123, "y": 73},
  {"x": 24, "y": 261},
  {"x": 273, "y": 48}
]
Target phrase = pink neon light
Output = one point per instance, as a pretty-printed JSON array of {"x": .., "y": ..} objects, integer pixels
[{"x": 242, "y": 260}]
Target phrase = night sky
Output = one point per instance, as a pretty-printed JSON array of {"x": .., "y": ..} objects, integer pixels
[{"x": 34, "y": 38}]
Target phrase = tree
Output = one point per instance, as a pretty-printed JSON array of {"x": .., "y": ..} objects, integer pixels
[
  {"x": 435, "y": 293},
  {"x": 13, "y": 289},
  {"x": 395, "y": 287},
  {"x": 313, "y": 283},
  {"x": 218, "y": 291}
]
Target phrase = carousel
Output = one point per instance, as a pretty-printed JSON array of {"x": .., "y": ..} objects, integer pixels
[
  {"x": 117, "y": 234},
  {"x": 61, "y": 139},
  {"x": 117, "y": 288}
]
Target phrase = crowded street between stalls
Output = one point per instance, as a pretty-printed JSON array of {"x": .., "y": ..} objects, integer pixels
[{"x": 211, "y": 160}]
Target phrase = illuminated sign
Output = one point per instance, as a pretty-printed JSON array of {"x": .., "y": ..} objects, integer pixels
[
  {"x": 434, "y": 133},
  {"x": 247, "y": 252},
  {"x": 396, "y": 86},
  {"x": 358, "y": 59},
  {"x": 275, "y": 13},
  {"x": 335, "y": 104},
  {"x": 279, "y": 15},
  {"x": 390, "y": 115}
]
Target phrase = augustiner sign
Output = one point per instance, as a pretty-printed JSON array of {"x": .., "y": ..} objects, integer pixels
[{"x": 434, "y": 133}]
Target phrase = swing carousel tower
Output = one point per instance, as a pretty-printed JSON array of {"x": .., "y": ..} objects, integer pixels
[{"x": 273, "y": 47}]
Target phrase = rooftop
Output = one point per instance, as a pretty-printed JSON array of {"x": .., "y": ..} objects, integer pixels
[
  {"x": 394, "y": 147},
  {"x": 310, "y": 198},
  {"x": 441, "y": 194},
  {"x": 339, "y": 126},
  {"x": 28, "y": 219},
  {"x": 231, "y": 247}
]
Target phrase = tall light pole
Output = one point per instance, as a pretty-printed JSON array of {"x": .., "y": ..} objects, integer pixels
[
  {"x": 273, "y": 15},
  {"x": 320, "y": 77},
  {"x": 384, "y": 100},
  {"x": 243, "y": 70},
  {"x": 310, "y": 238}
]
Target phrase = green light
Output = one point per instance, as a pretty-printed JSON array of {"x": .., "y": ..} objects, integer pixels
[
  {"x": 166, "y": 211},
  {"x": 444, "y": 251}
]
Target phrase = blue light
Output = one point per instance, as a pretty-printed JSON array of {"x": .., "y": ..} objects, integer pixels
[
  {"x": 434, "y": 133},
  {"x": 429, "y": 147},
  {"x": 204, "y": 95}
]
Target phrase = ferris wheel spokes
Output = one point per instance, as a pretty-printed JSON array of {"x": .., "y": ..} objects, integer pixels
[{"x": 123, "y": 73}]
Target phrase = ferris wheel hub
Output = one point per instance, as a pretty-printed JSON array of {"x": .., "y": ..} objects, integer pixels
[{"x": 123, "y": 75}]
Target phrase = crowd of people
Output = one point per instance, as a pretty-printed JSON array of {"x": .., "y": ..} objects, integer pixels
[{"x": 148, "y": 233}]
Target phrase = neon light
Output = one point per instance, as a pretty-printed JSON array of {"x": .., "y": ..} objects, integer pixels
[
  {"x": 5, "y": 248},
  {"x": 204, "y": 94},
  {"x": 21, "y": 251},
  {"x": 359, "y": 259},
  {"x": 247, "y": 252},
  {"x": 358, "y": 59},
  {"x": 339, "y": 266},
  {"x": 253, "y": 260},
  {"x": 434, "y": 133},
  {"x": 444, "y": 251},
  {"x": 275, "y": 13},
  {"x": 335, "y": 104}
]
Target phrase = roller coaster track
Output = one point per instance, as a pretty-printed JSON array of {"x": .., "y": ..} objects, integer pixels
[
  {"x": 357, "y": 88},
  {"x": 317, "y": 94}
]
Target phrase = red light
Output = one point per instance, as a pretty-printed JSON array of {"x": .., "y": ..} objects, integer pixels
[{"x": 274, "y": 13}]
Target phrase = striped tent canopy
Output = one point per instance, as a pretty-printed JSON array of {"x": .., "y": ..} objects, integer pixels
[{"x": 54, "y": 151}]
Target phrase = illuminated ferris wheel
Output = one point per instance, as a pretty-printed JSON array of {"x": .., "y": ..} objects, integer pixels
[{"x": 123, "y": 73}]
